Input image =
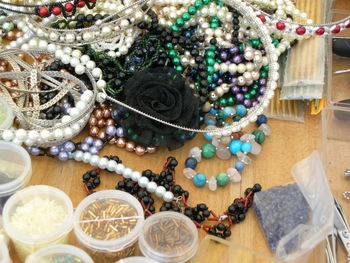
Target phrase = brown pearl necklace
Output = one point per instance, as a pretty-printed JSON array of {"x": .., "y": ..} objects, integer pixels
[{"x": 100, "y": 119}]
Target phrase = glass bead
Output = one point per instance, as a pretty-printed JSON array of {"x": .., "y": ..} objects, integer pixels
[
  {"x": 234, "y": 175},
  {"x": 223, "y": 153},
  {"x": 212, "y": 184},
  {"x": 207, "y": 137},
  {"x": 199, "y": 179},
  {"x": 239, "y": 166},
  {"x": 246, "y": 147},
  {"x": 196, "y": 153},
  {"x": 222, "y": 179},
  {"x": 228, "y": 111},
  {"x": 243, "y": 158},
  {"x": 192, "y": 10},
  {"x": 189, "y": 173},
  {"x": 256, "y": 148},
  {"x": 247, "y": 137},
  {"x": 215, "y": 141},
  {"x": 241, "y": 111},
  {"x": 208, "y": 150},
  {"x": 235, "y": 146},
  {"x": 191, "y": 162},
  {"x": 265, "y": 129},
  {"x": 225, "y": 140}
]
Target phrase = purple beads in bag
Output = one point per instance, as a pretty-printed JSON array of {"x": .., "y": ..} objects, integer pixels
[{"x": 279, "y": 210}]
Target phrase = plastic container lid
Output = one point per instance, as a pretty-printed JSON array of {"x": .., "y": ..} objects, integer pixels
[
  {"x": 58, "y": 253},
  {"x": 137, "y": 260},
  {"x": 4, "y": 253},
  {"x": 111, "y": 245},
  {"x": 6, "y": 114},
  {"x": 181, "y": 246},
  {"x": 27, "y": 194},
  {"x": 17, "y": 175}
]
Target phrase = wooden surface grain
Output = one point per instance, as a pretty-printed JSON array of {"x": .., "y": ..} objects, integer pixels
[{"x": 289, "y": 143}]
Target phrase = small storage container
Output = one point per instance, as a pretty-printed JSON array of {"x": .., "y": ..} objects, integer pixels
[
  {"x": 169, "y": 237},
  {"x": 137, "y": 260},
  {"x": 59, "y": 254},
  {"x": 4, "y": 253},
  {"x": 15, "y": 170},
  {"x": 36, "y": 217},
  {"x": 6, "y": 114},
  {"x": 107, "y": 224}
]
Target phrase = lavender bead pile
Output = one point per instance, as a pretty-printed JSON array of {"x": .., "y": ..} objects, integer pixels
[{"x": 279, "y": 210}]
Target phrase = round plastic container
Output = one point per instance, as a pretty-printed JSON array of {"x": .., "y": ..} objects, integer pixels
[
  {"x": 59, "y": 253},
  {"x": 137, "y": 260},
  {"x": 6, "y": 114},
  {"x": 107, "y": 224},
  {"x": 169, "y": 237},
  {"x": 24, "y": 243},
  {"x": 4, "y": 253},
  {"x": 15, "y": 170}
]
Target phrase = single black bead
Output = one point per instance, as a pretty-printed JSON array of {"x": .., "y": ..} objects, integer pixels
[
  {"x": 212, "y": 231},
  {"x": 186, "y": 194},
  {"x": 204, "y": 83},
  {"x": 201, "y": 39},
  {"x": 240, "y": 206},
  {"x": 176, "y": 209},
  {"x": 220, "y": 235},
  {"x": 177, "y": 189},
  {"x": 89, "y": 18},
  {"x": 204, "y": 91},
  {"x": 202, "y": 67},
  {"x": 236, "y": 201},
  {"x": 145, "y": 200},
  {"x": 174, "y": 41},
  {"x": 202, "y": 207},
  {"x": 168, "y": 205},
  {"x": 221, "y": 227},
  {"x": 206, "y": 213},
  {"x": 93, "y": 173},
  {"x": 213, "y": 41},
  {"x": 257, "y": 188},
  {"x": 129, "y": 186},
  {"x": 232, "y": 209},
  {"x": 97, "y": 181},
  {"x": 194, "y": 39},
  {"x": 147, "y": 173},
  {"x": 168, "y": 39},
  {"x": 162, "y": 174},
  {"x": 174, "y": 162},
  {"x": 169, "y": 178},
  {"x": 142, "y": 25},
  {"x": 89, "y": 185},
  {"x": 80, "y": 18},
  {"x": 247, "y": 191},
  {"x": 241, "y": 217},
  {"x": 163, "y": 209},
  {"x": 167, "y": 186},
  {"x": 195, "y": 210},
  {"x": 141, "y": 194},
  {"x": 121, "y": 185},
  {"x": 227, "y": 233},
  {"x": 188, "y": 211},
  {"x": 199, "y": 59},
  {"x": 198, "y": 218},
  {"x": 86, "y": 177},
  {"x": 98, "y": 17}
]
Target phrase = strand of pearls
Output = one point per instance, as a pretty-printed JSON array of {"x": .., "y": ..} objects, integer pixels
[{"x": 113, "y": 166}]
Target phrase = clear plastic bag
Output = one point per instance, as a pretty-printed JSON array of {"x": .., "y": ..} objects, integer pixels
[{"x": 299, "y": 241}]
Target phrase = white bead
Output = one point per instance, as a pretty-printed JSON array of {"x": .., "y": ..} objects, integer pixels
[
  {"x": 86, "y": 157},
  {"x": 135, "y": 176},
  {"x": 102, "y": 164},
  {"x": 74, "y": 112},
  {"x": 53, "y": 36},
  {"x": 80, "y": 105},
  {"x": 65, "y": 59},
  {"x": 168, "y": 196},
  {"x": 79, "y": 69},
  {"x": 127, "y": 172},
  {"x": 21, "y": 134},
  {"x": 87, "y": 36},
  {"x": 219, "y": 91},
  {"x": 33, "y": 135},
  {"x": 160, "y": 191},
  {"x": 143, "y": 181},
  {"x": 151, "y": 187},
  {"x": 94, "y": 160},
  {"x": 29, "y": 142},
  {"x": 66, "y": 119},
  {"x": 232, "y": 68},
  {"x": 78, "y": 156},
  {"x": 33, "y": 43},
  {"x": 45, "y": 135},
  {"x": 120, "y": 168},
  {"x": 223, "y": 67},
  {"x": 51, "y": 48},
  {"x": 76, "y": 53},
  {"x": 84, "y": 59},
  {"x": 43, "y": 44},
  {"x": 70, "y": 38},
  {"x": 101, "y": 84},
  {"x": 17, "y": 141},
  {"x": 241, "y": 68},
  {"x": 7, "y": 135},
  {"x": 74, "y": 62},
  {"x": 96, "y": 72},
  {"x": 112, "y": 165},
  {"x": 76, "y": 127},
  {"x": 58, "y": 133},
  {"x": 90, "y": 64},
  {"x": 59, "y": 53},
  {"x": 68, "y": 132},
  {"x": 106, "y": 31}
]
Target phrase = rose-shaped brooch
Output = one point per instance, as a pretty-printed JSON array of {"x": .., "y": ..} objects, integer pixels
[{"x": 164, "y": 94}]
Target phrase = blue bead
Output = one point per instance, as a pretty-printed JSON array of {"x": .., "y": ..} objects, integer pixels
[
  {"x": 235, "y": 146},
  {"x": 190, "y": 135},
  {"x": 213, "y": 111},
  {"x": 207, "y": 137},
  {"x": 241, "y": 110},
  {"x": 210, "y": 122},
  {"x": 199, "y": 180},
  {"x": 215, "y": 76},
  {"x": 261, "y": 119},
  {"x": 227, "y": 124},
  {"x": 191, "y": 162},
  {"x": 212, "y": 86},
  {"x": 187, "y": 34},
  {"x": 227, "y": 111},
  {"x": 239, "y": 166},
  {"x": 246, "y": 147}
]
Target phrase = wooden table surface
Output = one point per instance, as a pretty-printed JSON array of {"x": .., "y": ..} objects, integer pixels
[{"x": 289, "y": 143}]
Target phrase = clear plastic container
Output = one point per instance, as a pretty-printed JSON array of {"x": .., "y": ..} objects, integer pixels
[
  {"x": 107, "y": 224},
  {"x": 6, "y": 114},
  {"x": 137, "y": 260},
  {"x": 59, "y": 253},
  {"x": 4, "y": 253},
  {"x": 25, "y": 243},
  {"x": 15, "y": 170},
  {"x": 169, "y": 237}
]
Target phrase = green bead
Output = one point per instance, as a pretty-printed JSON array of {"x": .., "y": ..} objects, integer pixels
[
  {"x": 221, "y": 114},
  {"x": 218, "y": 60},
  {"x": 172, "y": 53},
  {"x": 174, "y": 28},
  {"x": 230, "y": 101},
  {"x": 241, "y": 48},
  {"x": 198, "y": 4},
  {"x": 214, "y": 25},
  {"x": 180, "y": 22},
  {"x": 236, "y": 118},
  {"x": 169, "y": 46},
  {"x": 213, "y": 48},
  {"x": 255, "y": 86},
  {"x": 259, "y": 136},
  {"x": 179, "y": 68},
  {"x": 176, "y": 61},
  {"x": 223, "y": 101},
  {"x": 252, "y": 92},
  {"x": 206, "y": 2},
  {"x": 214, "y": 19},
  {"x": 210, "y": 79},
  {"x": 222, "y": 179},
  {"x": 192, "y": 10},
  {"x": 208, "y": 150},
  {"x": 210, "y": 70},
  {"x": 134, "y": 137},
  {"x": 210, "y": 61},
  {"x": 263, "y": 74},
  {"x": 255, "y": 42},
  {"x": 275, "y": 43},
  {"x": 265, "y": 68},
  {"x": 210, "y": 54},
  {"x": 130, "y": 131},
  {"x": 247, "y": 96},
  {"x": 186, "y": 16}
]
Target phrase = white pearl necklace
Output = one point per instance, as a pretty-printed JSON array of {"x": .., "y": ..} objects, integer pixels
[{"x": 113, "y": 166}]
